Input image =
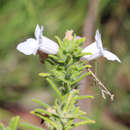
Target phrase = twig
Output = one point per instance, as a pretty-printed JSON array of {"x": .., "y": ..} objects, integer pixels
[{"x": 103, "y": 89}]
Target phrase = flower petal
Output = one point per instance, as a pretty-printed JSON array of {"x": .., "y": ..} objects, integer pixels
[
  {"x": 92, "y": 57},
  {"x": 77, "y": 37},
  {"x": 38, "y": 31},
  {"x": 48, "y": 46},
  {"x": 110, "y": 56},
  {"x": 92, "y": 48},
  {"x": 28, "y": 47},
  {"x": 98, "y": 40}
]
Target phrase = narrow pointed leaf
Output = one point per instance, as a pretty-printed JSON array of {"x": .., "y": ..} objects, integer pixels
[
  {"x": 41, "y": 103},
  {"x": 44, "y": 74},
  {"x": 46, "y": 119},
  {"x": 14, "y": 123},
  {"x": 42, "y": 111},
  {"x": 59, "y": 41},
  {"x": 81, "y": 77},
  {"x": 86, "y": 66},
  {"x": 83, "y": 123},
  {"x": 55, "y": 88},
  {"x": 83, "y": 97},
  {"x": 30, "y": 126}
]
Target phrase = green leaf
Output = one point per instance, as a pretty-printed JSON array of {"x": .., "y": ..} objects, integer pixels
[
  {"x": 41, "y": 103},
  {"x": 44, "y": 74},
  {"x": 83, "y": 123},
  {"x": 46, "y": 119},
  {"x": 83, "y": 97},
  {"x": 14, "y": 123},
  {"x": 87, "y": 53},
  {"x": 42, "y": 111},
  {"x": 79, "y": 42},
  {"x": 86, "y": 66},
  {"x": 68, "y": 125},
  {"x": 69, "y": 99},
  {"x": 68, "y": 102},
  {"x": 55, "y": 88},
  {"x": 30, "y": 126},
  {"x": 82, "y": 39},
  {"x": 59, "y": 41},
  {"x": 69, "y": 59},
  {"x": 80, "y": 78},
  {"x": 84, "y": 118},
  {"x": 53, "y": 57},
  {"x": 1, "y": 127}
]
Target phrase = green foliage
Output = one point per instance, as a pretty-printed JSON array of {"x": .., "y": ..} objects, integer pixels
[
  {"x": 64, "y": 76},
  {"x": 27, "y": 126},
  {"x": 66, "y": 70},
  {"x": 13, "y": 125},
  {"x": 64, "y": 112},
  {"x": 1, "y": 126}
]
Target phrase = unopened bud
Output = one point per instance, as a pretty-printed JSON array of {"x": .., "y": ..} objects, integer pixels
[{"x": 68, "y": 35}]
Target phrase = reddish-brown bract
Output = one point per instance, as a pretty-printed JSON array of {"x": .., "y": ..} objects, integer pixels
[{"x": 42, "y": 56}]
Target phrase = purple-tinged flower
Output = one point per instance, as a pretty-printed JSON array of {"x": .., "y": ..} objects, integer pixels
[{"x": 77, "y": 37}]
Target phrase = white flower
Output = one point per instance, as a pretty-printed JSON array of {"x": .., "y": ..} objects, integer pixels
[
  {"x": 42, "y": 43},
  {"x": 97, "y": 50}
]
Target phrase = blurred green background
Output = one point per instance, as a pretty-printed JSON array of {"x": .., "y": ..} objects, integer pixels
[{"x": 19, "y": 80}]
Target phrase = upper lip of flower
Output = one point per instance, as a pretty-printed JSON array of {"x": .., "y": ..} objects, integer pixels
[
  {"x": 38, "y": 36},
  {"x": 38, "y": 33},
  {"x": 99, "y": 41}
]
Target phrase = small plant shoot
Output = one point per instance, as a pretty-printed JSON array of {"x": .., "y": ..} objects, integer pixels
[{"x": 67, "y": 65}]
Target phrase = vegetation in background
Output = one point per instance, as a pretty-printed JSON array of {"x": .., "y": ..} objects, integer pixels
[{"x": 18, "y": 19}]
